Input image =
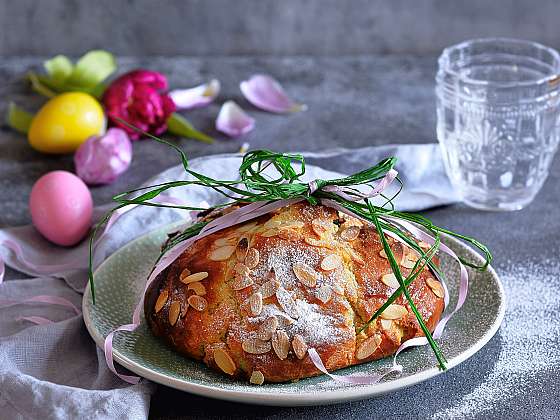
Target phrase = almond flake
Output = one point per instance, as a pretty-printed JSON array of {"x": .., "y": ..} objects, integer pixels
[
  {"x": 257, "y": 377},
  {"x": 185, "y": 273},
  {"x": 269, "y": 288},
  {"x": 350, "y": 233},
  {"x": 287, "y": 302},
  {"x": 240, "y": 282},
  {"x": 356, "y": 257},
  {"x": 318, "y": 242},
  {"x": 161, "y": 300},
  {"x": 294, "y": 224},
  {"x": 368, "y": 347},
  {"x": 224, "y": 241},
  {"x": 383, "y": 254},
  {"x": 224, "y": 361},
  {"x": 241, "y": 249},
  {"x": 252, "y": 259},
  {"x": 174, "y": 311},
  {"x": 197, "y": 302},
  {"x": 198, "y": 288},
  {"x": 270, "y": 233},
  {"x": 390, "y": 280},
  {"x": 394, "y": 312},
  {"x": 194, "y": 277},
  {"x": 330, "y": 262},
  {"x": 281, "y": 344},
  {"x": 246, "y": 227},
  {"x": 272, "y": 224},
  {"x": 436, "y": 287},
  {"x": 267, "y": 328},
  {"x": 407, "y": 262},
  {"x": 324, "y": 293},
  {"x": 290, "y": 235},
  {"x": 321, "y": 227},
  {"x": 255, "y": 303},
  {"x": 299, "y": 346},
  {"x": 222, "y": 253},
  {"x": 424, "y": 245},
  {"x": 256, "y": 346},
  {"x": 386, "y": 324},
  {"x": 241, "y": 269},
  {"x": 305, "y": 274}
]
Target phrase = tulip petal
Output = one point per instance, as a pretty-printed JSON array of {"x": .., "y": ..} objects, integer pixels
[
  {"x": 197, "y": 96},
  {"x": 233, "y": 121},
  {"x": 266, "y": 93},
  {"x": 101, "y": 159}
]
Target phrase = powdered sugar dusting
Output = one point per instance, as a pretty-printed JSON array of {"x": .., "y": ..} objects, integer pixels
[{"x": 528, "y": 334}]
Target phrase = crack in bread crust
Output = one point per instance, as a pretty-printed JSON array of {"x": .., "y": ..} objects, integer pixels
[{"x": 323, "y": 302}]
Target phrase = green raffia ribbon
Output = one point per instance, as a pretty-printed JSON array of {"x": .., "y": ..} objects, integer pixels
[{"x": 254, "y": 185}]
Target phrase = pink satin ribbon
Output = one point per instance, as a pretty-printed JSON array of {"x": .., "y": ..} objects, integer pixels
[{"x": 47, "y": 299}]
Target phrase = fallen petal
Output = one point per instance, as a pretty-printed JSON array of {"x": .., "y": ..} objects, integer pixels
[
  {"x": 266, "y": 93},
  {"x": 233, "y": 121},
  {"x": 197, "y": 96}
]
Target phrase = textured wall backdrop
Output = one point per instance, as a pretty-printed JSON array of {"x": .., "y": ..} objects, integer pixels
[{"x": 262, "y": 27}]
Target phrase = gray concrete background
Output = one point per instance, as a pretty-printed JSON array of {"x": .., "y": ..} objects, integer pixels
[{"x": 266, "y": 27}]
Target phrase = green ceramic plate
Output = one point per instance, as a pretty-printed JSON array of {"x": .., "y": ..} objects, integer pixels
[{"x": 119, "y": 283}]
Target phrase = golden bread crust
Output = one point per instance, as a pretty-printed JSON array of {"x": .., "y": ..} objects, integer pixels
[{"x": 304, "y": 277}]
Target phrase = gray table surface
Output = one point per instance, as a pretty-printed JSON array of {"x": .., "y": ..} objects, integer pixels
[{"x": 353, "y": 102}]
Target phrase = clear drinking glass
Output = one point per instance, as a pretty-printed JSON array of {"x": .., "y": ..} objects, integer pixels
[{"x": 498, "y": 119}]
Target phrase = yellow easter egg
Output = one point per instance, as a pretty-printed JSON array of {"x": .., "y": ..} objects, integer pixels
[{"x": 65, "y": 122}]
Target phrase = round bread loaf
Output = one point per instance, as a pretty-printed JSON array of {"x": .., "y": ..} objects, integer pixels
[{"x": 251, "y": 299}]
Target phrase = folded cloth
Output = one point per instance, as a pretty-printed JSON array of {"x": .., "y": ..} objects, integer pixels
[{"x": 53, "y": 369}]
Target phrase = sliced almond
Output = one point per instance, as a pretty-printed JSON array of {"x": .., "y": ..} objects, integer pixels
[
  {"x": 252, "y": 258},
  {"x": 299, "y": 346},
  {"x": 241, "y": 282},
  {"x": 257, "y": 377},
  {"x": 224, "y": 361},
  {"x": 287, "y": 302},
  {"x": 197, "y": 302},
  {"x": 255, "y": 303},
  {"x": 390, "y": 280},
  {"x": 241, "y": 269},
  {"x": 267, "y": 328},
  {"x": 174, "y": 311},
  {"x": 246, "y": 227},
  {"x": 368, "y": 347},
  {"x": 436, "y": 287},
  {"x": 424, "y": 245},
  {"x": 330, "y": 262},
  {"x": 228, "y": 240},
  {"x": 269, "y": 288},
  {"x": 185, "y": 273},
  {"x": 290, "y": 235},
  {"x": 320, "y": 243},
  {"x": 194, "y": 277},
  {"x": 270, "y": 233},
  {"x": 350, "y": 233},
  {"x": 394, "y": 312},
  {"x": 386, "y": 324},
  {"x": 293, "y": 224},
  {"x": 407, "y": 263},
  {"x": 198, "y": 288},
  {"x": 305, "y": 274},
  {"x": 356, "y": 257},
  {"x": 281, "y": 344},
  {"x": 241, "y": 249},
  {"x": 256, "y": 346},
  {"x": 324, "y": 293},
  {"x": 222, "y": 253},
  {"x": 383, "y": 254},
  {"x": 322, "y": 227},
  {"x": 272, "y": 224},
  {"x": 161, "y": 300}
]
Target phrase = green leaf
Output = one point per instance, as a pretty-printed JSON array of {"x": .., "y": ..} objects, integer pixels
[
  {"x": 90, "y": 70},
  {"x": 19, "y": 119},
  {"x": 180, "y": 126},
  {"x": 42, "y": 85},
  {"x": 59, "y": 68}
]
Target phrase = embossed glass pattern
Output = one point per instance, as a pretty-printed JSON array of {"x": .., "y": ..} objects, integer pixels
[{"x": 497, "y": 119}]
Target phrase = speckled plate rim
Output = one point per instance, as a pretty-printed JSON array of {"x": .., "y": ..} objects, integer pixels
[{"x": 325, "y": 397}]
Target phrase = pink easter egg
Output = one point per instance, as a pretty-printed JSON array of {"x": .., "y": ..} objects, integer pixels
[{"x": 61, "y": 207}]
